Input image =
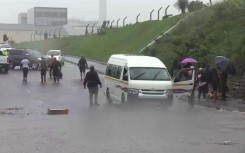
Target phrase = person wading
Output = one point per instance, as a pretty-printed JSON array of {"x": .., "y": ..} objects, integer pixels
[
  {"x": 56, "y": 66},
  {"x": 82, "y": 64},
  {"x": 43, "y": 69},
  {"x": 92, "y": 81},
  {"x": 25, "y": 67}
]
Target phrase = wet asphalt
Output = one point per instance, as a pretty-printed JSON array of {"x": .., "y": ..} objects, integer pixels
[{"x": 145, "y": 127}]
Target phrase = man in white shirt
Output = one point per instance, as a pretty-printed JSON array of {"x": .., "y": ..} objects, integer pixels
[{"x": 25, "y": 67}]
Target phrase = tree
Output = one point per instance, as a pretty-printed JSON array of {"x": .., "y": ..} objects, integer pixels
[
  {"x": 195, "y": 6},
  {"x": 210, "y": 1},
  {"x": 182, "y": 5}
]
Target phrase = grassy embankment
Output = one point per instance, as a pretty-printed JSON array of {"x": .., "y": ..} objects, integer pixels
[
  {"x": 216, "y": 30},
  {"x": 126, "y": 40}
]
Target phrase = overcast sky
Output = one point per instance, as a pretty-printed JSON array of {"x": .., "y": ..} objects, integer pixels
[{"x": 88, "y": 9}]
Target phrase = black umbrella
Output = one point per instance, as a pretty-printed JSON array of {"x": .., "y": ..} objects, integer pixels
[{"x": 224, "y": 64}]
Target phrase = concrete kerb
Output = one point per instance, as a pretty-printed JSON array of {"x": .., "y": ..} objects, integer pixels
[{"x": 75, "y": 63}]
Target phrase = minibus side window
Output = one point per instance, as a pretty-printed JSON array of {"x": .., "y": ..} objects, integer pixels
[
  {"x": 119, "y": 72},
  {"x": 113, "y": 71},
  {"x": 108, "y": 70},
  {"x": 125, "y": 74}
]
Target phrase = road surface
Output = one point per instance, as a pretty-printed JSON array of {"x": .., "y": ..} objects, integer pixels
[{"x": 140, "y": 128}]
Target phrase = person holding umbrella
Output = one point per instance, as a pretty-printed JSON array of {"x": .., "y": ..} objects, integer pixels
[
  {"x": 223, "y": 84},
  {"x": 213, "y": 79},
  {"x": 226, "y": 67}
]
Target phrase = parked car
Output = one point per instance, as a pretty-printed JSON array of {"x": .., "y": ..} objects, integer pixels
[
  {"x": 4, "y": 62},
  {"x": 57, "y": 54},
  {"x": 16, "y": 56}
]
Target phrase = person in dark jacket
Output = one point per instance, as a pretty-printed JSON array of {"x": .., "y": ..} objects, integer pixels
[
  {"x": 92, "y": 81},
  {"x": 82, "y": 64},
  {"x": 213, "y": 79},
  {"x": 56, "y": 66},
  {"x": 50, "y": 61},
  {"x": 43, "y": 69},
  {"x": 223, "y": 84}
]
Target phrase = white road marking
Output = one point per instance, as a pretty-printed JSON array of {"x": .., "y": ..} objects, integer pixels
[
  {"x": 40, "y": 102},
  {"x": 28, "y": 91}
]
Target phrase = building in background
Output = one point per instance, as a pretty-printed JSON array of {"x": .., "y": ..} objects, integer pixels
[
  {"x": 17, "y": 33},
  {"x": 77, "y": 27},
  {"x": 22, "y": 18},
  {"x": 47, "y": 16},
  {"x": 102, "y": 11}
]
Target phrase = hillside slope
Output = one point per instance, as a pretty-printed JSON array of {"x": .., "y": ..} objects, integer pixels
[
  {"x": 216, "y": 30},
  {"x": 128, "y": 39}
]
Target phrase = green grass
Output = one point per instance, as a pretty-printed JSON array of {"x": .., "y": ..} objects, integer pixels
[
  {"x": 124, "y": 40},
  {"x": 216, "y": 30}
]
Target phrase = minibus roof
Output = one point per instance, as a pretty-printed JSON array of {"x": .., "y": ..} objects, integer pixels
[{"x": 137, "y": 61}]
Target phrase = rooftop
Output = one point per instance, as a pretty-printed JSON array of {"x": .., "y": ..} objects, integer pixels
[{"x": 17, "y": 27}]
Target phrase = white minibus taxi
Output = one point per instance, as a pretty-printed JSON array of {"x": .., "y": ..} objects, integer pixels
[{"x": 131, "y": 77}]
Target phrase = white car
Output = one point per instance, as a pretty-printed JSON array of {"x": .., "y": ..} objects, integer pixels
[{"x": 57, "y": 54}]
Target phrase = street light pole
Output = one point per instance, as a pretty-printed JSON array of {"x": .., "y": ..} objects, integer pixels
[
  {"x": 112, "y": 23},
  {"x": 151, "y": 14},
  {"x": 86, "y": 32},
  {"x": 55, "y": 32},
  {"x": 159, "y": 13},
  {"x": 93, "y": 28},
  {"x": 31, "y": 36},
  {"x": 166, "y": 11},
  {"x": 60, "y": 31},
  {"x": 41, "y": 35},
  {"x": 137, "y": 18},
  {"x": 50, "y": 33},
  {"x": 124, "y": 21},
  {"x": 117, "y": 22}
]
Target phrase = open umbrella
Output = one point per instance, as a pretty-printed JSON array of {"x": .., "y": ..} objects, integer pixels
[
  {"x": 189, "y": 60},
  {"x": 224, "y": 64}
]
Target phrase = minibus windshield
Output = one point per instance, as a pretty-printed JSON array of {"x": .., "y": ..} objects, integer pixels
[{"x": 148, "y": 73}]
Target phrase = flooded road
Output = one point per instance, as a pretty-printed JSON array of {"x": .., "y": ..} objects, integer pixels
[{"x": 130, "y": 128}]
